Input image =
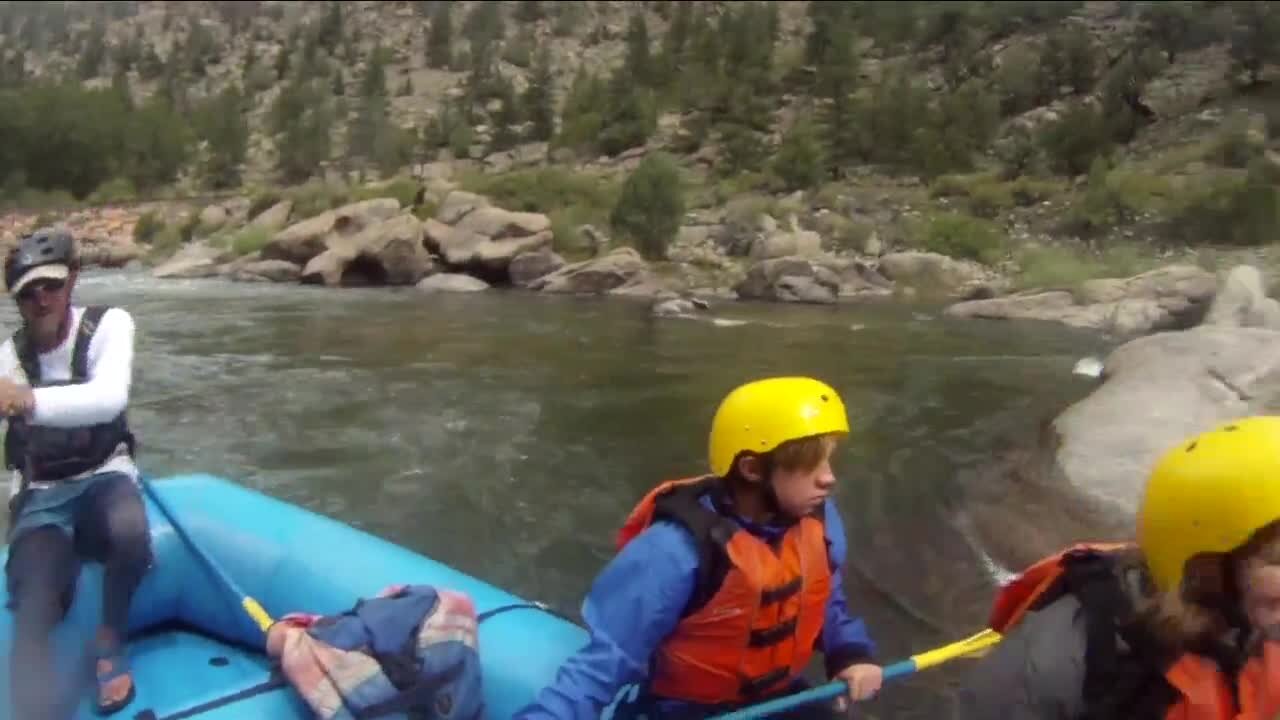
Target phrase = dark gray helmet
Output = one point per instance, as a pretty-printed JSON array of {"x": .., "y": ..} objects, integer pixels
[{"x": 45, "y": 246}]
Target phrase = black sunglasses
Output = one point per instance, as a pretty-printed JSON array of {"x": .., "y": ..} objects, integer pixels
[{"x": 46, "y": 285}]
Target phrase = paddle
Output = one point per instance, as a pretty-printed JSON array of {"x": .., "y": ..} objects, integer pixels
[
  {"x": 251, "y": 606},
  {"x": 969, "y": 646}
]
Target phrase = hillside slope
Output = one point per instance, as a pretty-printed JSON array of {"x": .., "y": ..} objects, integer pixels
[{"x": 1062, "y": 139}]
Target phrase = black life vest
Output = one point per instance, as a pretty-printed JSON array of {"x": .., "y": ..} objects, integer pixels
[{"x": 47, "y": 454}]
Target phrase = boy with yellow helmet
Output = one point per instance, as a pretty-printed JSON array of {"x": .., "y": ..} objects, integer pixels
[
  {"x": 724, "y": 585},
  {"x": 1182, "y": 626}
]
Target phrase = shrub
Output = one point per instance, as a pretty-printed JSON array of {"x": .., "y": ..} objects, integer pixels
[
  {"x": 651, "y": 205},
  {"x": 963, "y": 236},
  {"x": 148, "y": 226}
]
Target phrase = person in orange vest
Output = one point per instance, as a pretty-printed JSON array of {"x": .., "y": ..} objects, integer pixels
[
  {"x": 1182, "y": 625},
  {"x": 725, "y": 585}
]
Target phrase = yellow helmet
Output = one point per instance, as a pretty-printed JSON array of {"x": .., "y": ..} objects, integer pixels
[
  {"x": 761, "y": 415},
  {"x": 1210, "y": 494}
]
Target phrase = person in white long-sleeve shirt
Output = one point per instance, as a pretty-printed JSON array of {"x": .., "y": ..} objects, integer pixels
[{"x": 65, "y": 377}]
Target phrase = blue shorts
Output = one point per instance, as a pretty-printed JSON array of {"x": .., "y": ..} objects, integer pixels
[
  {"x": 57, "y": 505},
  {"x": 82, "y": 512}
]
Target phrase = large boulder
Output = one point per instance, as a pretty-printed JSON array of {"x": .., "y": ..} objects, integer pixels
[
  {"x": 1168, "y": 298},
  {"x": 1243, "y": 302},
  {"x": 279, "y": 271},
  {"x": 790, "y": 279},
  {"x": 213, "y": 217},
  {"x": 498, "y": 224},
  {"x": 304, "y": 240},
  {"x": 595, "y": 276},
  {"x": 934, "y": 272},
  {"x": 273, "y": 219},
  {"x": 858, "y": 280},
  {"x": 192, "y": 261},
  {"x": 786, "y": 243},
  {"x": 104, "y": 235},
  {"x": 529, "y": 266},
  {"x": 109, "y": 254},
  {"x": 458, "y": 204},
  {"x": 452, "y": 282},
  {"x": 1091, "y": 461},
  {"x": 482, "y": 237},
  {"x": 1157, "y": 390},
  {"x": 387, "y": 253}
]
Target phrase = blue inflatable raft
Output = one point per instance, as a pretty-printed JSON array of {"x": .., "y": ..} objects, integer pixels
[{"x": 193, "y": 644}]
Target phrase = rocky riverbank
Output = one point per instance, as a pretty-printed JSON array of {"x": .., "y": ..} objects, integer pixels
[{"x": 449, "y": 240}]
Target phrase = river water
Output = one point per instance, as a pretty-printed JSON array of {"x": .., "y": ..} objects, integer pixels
[{"x": 508, "y": 434}]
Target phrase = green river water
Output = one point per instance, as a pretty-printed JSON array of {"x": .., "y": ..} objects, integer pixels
[{"x": 508, "y": 434}]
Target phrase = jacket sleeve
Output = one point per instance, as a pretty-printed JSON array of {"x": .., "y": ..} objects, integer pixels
[
  {"x": 845, "y": 639},
  {"x": 9, "y": 371},
  {"x": 1036, "y": 672},
  {"x": 635, "y": 603}
]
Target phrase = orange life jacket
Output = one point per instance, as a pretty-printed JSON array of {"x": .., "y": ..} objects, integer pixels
[
  {"x": 748, "y": 634},
  {"x": 1200, "y": 689},
  {"x": 1260, "y": 685}
]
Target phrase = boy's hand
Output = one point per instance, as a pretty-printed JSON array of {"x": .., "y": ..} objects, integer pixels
[{"x": 864, "y": 682}]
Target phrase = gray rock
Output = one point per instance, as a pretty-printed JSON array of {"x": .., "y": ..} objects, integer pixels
[
  {"x": 1243, "y": 302},
  {"x": 452, "y": 282}
]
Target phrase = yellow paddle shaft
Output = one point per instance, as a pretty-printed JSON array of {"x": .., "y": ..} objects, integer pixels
[
  {"x": 256, "y": 612},
  {"x": 972, "y": 646}
]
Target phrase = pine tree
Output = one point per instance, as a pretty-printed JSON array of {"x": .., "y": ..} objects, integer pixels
[
  {"x": 484, "y": 25},
  {"x": 329, "y": 33},
  {"x": 283, "y": 60},
  {"x": 221, "y": 123},
  {"x": 440, "y": 39},
  {"x": 581, "y": 116},
  {"x": 702, "y": 77},
  {"x": 200, "y": 48},
  {"x": 302, "y": 118},
  {"x": 93, "y": 53},
  {"x": 120, "y": 86},
  {"x": 372, "y": 116},
  {"x": 506, "y": 119},
  {"x": 836, "y": 62},
  {"x": 828, "y": 19},
  {"x": 529, "y": 11},
  {"x": 157, "y": 144},
  {"x": 539, "y": 104},
  {"x": 374, "y": 80},
  {"x": 799, "y": 162},
  {"x": 1255, "y": 39},
  {"x": 1068, "y": 59},
  {"x": 629, "y": 116},
  {"x": 675, "y": 44},
  {"x": 1173, "y": 26},
  {"x": 639, "y": 61}
]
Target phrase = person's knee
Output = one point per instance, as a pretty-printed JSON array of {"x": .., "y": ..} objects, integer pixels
[
  {"x": 130, "y": 541},
  {"x": 39, "y": 608},
  {"x": 125, "y": 522}
]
